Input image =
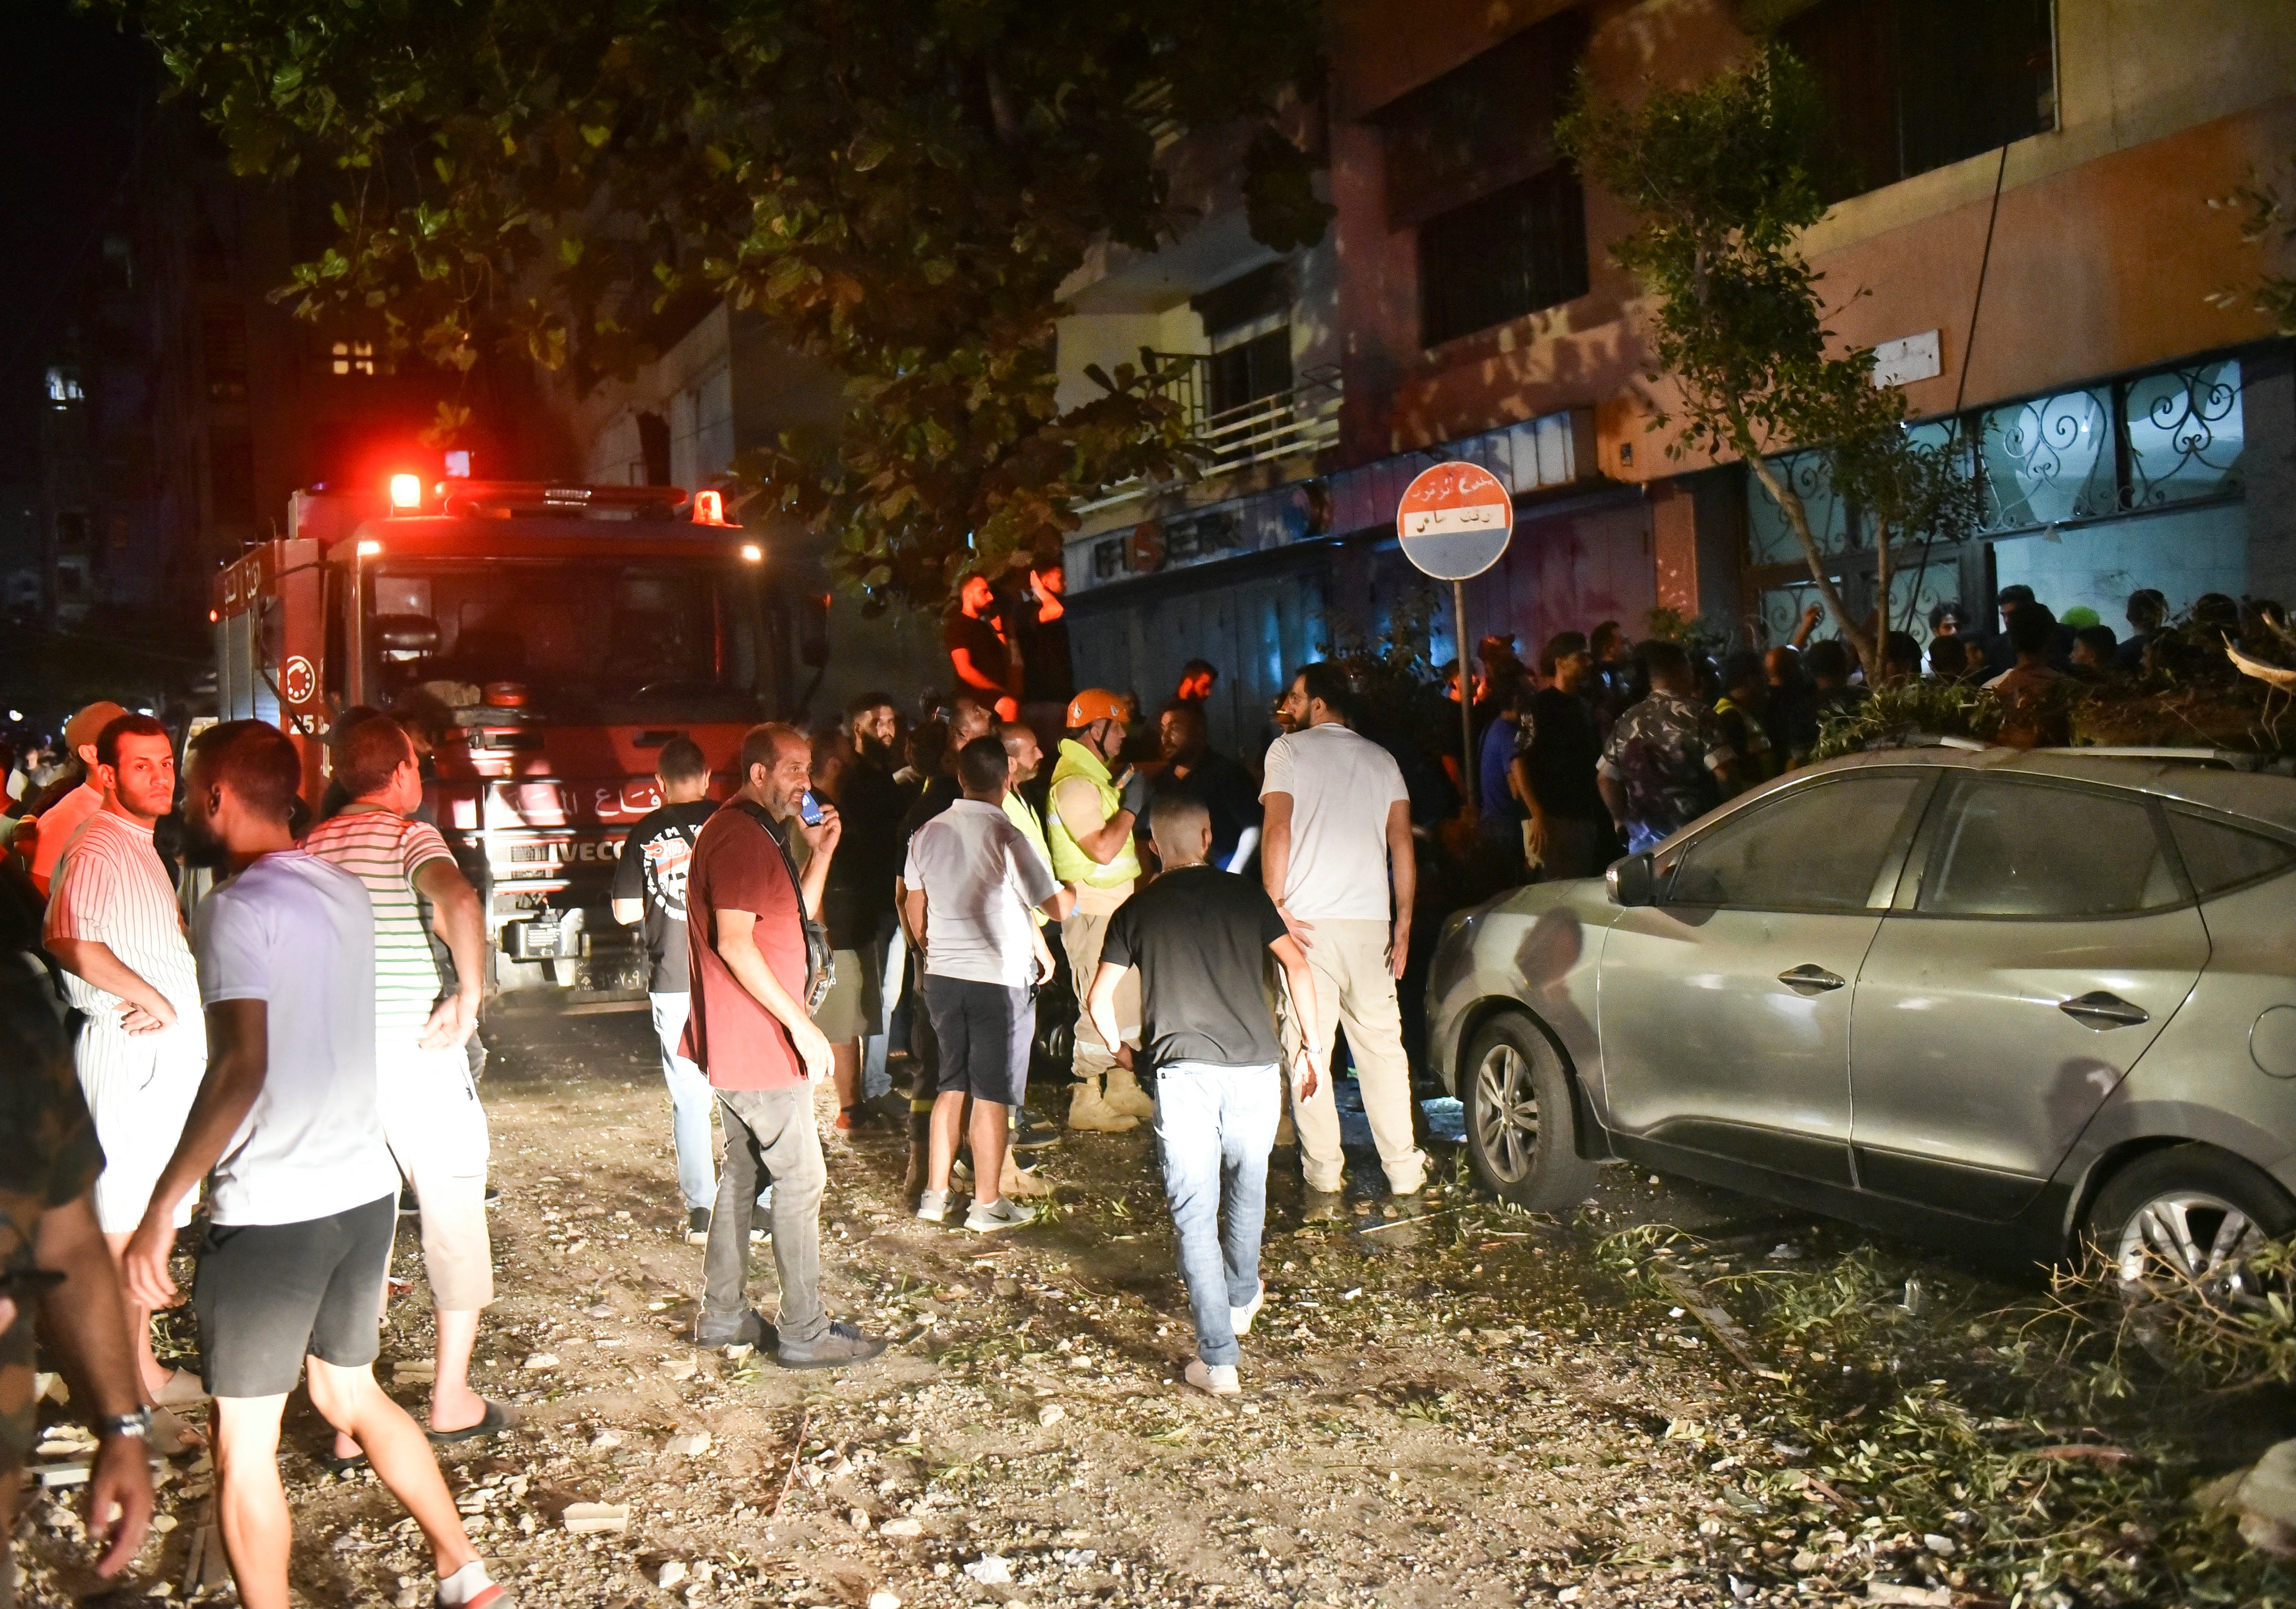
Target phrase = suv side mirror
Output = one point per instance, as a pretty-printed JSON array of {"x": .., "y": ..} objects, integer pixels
[{"x": 1631, "y": 882}]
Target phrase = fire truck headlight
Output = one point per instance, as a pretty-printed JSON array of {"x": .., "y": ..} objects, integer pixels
[
  {"x": 369, "y": 547},
  {"x": 754, "y": 553}
]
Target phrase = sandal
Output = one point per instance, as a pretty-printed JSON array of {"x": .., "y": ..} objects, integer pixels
[
  {"x": 171, "y": 1436},
  {"x": 493, "y": 1421},
  {"x": 183, "y": 1390},
  {"x": 340, "y": 1467}
]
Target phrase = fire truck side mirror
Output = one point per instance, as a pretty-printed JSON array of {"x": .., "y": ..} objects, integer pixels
[
  {"x": 414, "y": 635},
  {"x": 813, "y": 630}
]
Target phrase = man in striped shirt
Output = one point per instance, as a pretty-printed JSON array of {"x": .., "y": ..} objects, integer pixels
[
  {"x": 431, "y": 1111},
  {"x": 113, "y": 926}
]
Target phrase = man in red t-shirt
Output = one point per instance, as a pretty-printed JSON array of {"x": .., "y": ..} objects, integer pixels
[{"x": 746, "y": 909}]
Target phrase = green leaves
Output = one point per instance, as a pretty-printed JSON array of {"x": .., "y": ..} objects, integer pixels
[
  {"x": 897, "y": 187},
  {"x": 1720, "y": 178}
]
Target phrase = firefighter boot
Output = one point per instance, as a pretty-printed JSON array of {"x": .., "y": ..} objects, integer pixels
[
  {"x": 1016, "y": 1181},
  {"x": 1126, "y": 1099},
  {"x": 1088, "y": 1112}
]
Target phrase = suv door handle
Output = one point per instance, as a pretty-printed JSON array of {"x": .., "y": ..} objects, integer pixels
[
  {"x": 1810, "y": 977},
  {"x": 2102, "y": 1010}
]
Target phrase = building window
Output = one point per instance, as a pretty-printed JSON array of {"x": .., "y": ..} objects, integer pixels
[
  {"x": 351, "y": 357},
  {"x": 2086, "y": 494},
  {"x": 1250, "y": 370},
  {"x": 223, "y": 353},
  {"x": 231, "y": 477},
  {"x": 1503, "y": 256},
  {"x": 1472, "y": 167},
  {"x": 64, "y": 387},
  {"x": 1913, "y": 85},
  {"x": 653, "y": 449}
]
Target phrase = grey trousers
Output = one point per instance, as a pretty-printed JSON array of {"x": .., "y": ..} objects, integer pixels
[{"x": 770, "y": 1137}]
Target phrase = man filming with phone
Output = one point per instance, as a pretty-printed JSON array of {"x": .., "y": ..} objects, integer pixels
[{"x": 759, "y": 962}]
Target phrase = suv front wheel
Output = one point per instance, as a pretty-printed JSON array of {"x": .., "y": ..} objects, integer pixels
[{"x": 1516, "y": 1101}]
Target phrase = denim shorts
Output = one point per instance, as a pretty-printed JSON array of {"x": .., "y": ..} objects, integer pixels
[{"x": 268, "y": 1294}]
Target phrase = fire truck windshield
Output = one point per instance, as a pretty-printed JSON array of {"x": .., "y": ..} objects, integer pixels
[{"x": 578, "y": 638}]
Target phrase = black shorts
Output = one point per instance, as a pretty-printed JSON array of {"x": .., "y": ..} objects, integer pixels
[
  {"x": 985, "y": 1031},
  {"x": 267, "y": 1294}
]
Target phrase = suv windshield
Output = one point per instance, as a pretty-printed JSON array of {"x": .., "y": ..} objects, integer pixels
[{"x": 575, "y": 637}]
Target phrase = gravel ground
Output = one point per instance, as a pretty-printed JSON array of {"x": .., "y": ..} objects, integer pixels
[{"x": 1458, "y": 1408}]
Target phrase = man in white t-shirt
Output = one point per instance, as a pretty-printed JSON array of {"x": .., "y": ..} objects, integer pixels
[
  {"x": 1337, "y": 859},
  {"x": 303, "y": 1202},
  {"x": 113, "y": 926},
  {"x": 969, "y": 882}
]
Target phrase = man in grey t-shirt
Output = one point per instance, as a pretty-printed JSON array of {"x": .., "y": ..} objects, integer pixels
[{"x": 305, "y": 1200}]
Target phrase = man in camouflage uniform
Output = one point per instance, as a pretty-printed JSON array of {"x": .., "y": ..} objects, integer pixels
[
  {"x": 49, "y": 1159},
  {"x": 1666, "y": 763}
]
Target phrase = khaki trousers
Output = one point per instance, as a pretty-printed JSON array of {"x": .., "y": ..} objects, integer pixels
[
  {"x": 1081, "y": 936},
  {"x": 437, "y": 1131},
  {"x": 1354, "y": 987}
]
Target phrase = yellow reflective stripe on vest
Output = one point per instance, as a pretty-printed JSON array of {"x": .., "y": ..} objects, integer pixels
[{"x": 1071, "y": 864}]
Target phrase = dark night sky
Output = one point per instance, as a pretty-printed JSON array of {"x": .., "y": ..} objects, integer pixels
[{"x": 75, "y": 91}]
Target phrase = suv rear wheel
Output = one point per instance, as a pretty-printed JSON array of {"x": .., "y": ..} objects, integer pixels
[
  {"x": 1517, "y": 1105},
  {"x": 2190, "y": 1216}
]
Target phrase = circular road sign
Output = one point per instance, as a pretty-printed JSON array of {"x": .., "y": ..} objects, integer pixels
[{"x": 1454, "y": 521}]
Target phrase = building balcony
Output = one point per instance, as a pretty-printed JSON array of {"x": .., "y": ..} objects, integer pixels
[{"x": 1297, "y": 422}]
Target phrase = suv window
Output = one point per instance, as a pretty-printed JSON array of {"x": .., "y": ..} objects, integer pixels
[
  {"x": 2218, "y": 857},
  {"x": 2016, "y": 849},
  {"x": 1819, "y": 847}
]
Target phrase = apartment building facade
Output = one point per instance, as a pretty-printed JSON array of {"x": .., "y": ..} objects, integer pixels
[{"x": 2131, "y": 420}]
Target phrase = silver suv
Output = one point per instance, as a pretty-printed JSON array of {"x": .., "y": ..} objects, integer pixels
[{"x": 2010, "y": 1000}]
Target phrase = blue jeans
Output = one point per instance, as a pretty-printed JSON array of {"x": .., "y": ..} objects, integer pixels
[
  {"x": 1215, "y": 1127},
  {"x": 691, "y": 1102},
  {"x": 1641, "y": 836}
]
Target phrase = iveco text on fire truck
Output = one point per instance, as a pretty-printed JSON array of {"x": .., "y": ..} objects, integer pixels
[{"x": 560, "y": 635}]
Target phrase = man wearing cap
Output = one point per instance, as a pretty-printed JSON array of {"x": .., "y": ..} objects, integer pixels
[
  {"x": 54, "y": 823},
  {"x": 1088, "y": 828}
]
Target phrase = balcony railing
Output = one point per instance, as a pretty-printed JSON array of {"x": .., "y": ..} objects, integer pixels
[{"x": 1283, "y": 424}]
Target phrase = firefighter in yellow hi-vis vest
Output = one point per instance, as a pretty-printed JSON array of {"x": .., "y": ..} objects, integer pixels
[{"x": 1088, "y": 828}]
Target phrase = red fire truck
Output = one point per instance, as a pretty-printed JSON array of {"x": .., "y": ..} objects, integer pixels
[{"x": 560, "y": 635}]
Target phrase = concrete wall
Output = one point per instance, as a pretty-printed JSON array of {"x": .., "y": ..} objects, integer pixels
[{"x": 2105, "y": 254}]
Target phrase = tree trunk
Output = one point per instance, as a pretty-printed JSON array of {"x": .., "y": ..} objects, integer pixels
[
  {"x": 1877, "y": 670},
  {"x": 1789, "y": 504}
]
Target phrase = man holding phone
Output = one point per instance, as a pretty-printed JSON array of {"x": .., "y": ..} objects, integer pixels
[{"x": 756, "y": 952}]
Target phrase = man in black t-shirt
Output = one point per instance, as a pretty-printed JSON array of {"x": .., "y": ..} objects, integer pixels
[
  {"x": 1569, "y": 834},
  {"x": 650, "y": 887},
  {"x": 1190, "y": 765},
  {"x": 1201, "y": 937},
  {"x": 978, "y": 651}
]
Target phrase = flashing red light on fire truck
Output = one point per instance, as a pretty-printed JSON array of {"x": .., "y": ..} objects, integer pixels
[
  {"x": 710, "y": 508},
  {"x": 405, "y": 493}
]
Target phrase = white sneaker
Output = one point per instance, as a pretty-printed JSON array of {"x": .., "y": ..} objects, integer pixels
[
  {"x": 1216, "y": 1378},
  {"x": 932, "y": 1206},
  {"x": 1240, "y": 1319},
  {"x": 1003, "y": 1213}
]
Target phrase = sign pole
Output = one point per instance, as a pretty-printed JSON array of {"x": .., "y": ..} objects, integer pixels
[
  {"x": 1470, "y": 772},
  {"x": 1454, "y": 522}
]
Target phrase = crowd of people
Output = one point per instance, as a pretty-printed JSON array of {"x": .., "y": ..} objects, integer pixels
[
  {"x": 945, "y": 898},
  {"x": 1604, "y": 746}
]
